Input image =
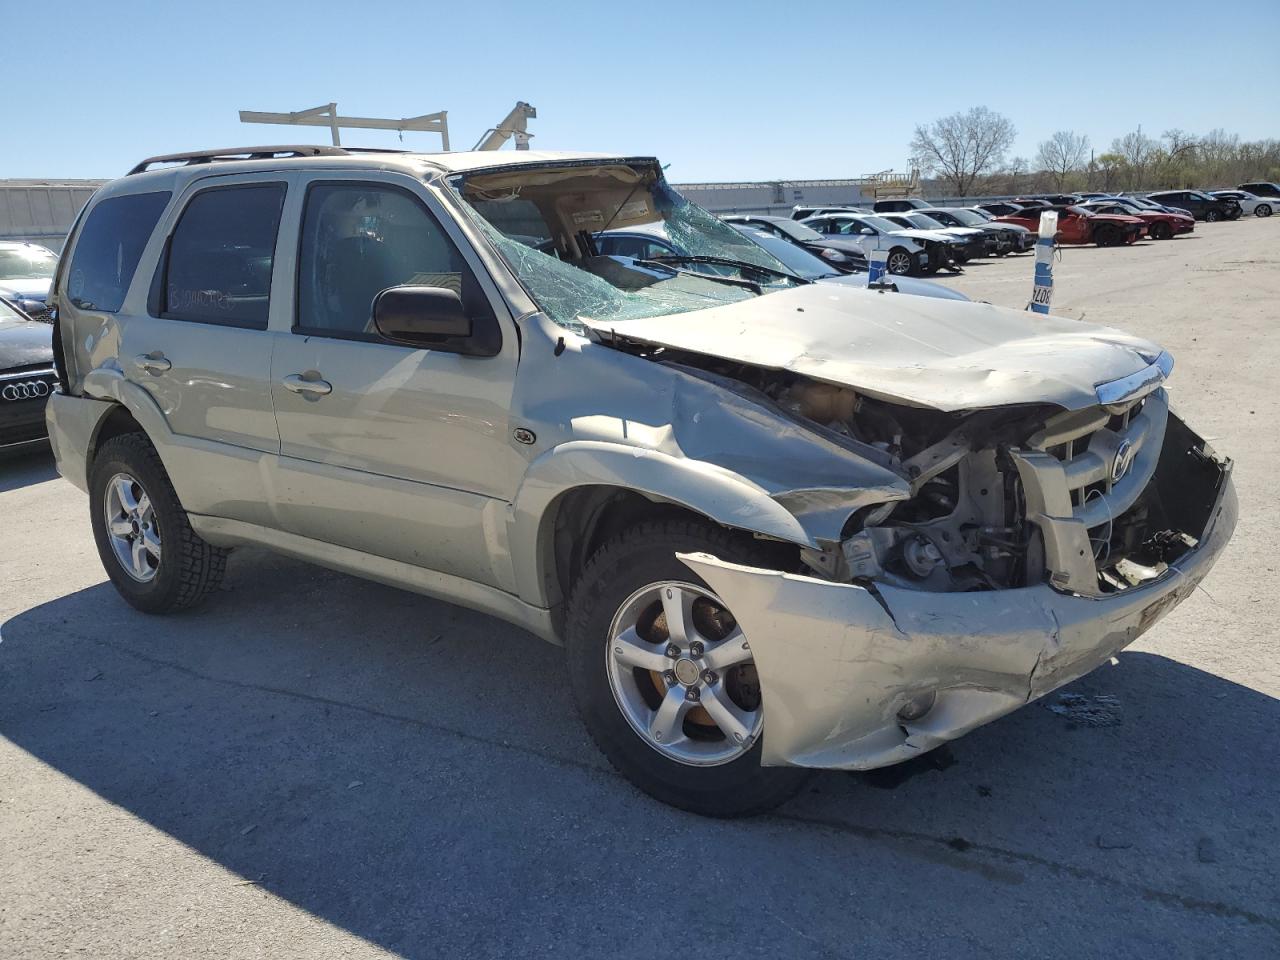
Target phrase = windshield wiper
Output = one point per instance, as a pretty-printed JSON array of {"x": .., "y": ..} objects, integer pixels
[
  {"x": 742, "y": 265},
  {"x": 714, "y": 277}
]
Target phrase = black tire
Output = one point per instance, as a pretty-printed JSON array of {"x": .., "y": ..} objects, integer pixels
[
  {"x": 1262, "y": 210},
  {"x": 1108, "y": 235},
  {"x": 899, "y": 262},
  {"x": 1213, "y": 216},
  {"x": 639, "y": 556},
  {"x": 1161, "y": 231},
  {"x": 189, "y": 568}
]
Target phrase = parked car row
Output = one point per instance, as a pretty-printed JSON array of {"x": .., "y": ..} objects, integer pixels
[{"x": 925, "y": 237}]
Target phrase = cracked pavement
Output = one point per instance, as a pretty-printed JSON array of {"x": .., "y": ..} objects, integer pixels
[{"x": 313, "y": 766}]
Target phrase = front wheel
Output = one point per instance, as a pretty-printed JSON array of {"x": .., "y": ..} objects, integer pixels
[
  {"x": 1161, "y": 231},
  {"x": 146, "y": 544},
  {"x": 1213, "y": 216},
  {"x": 898, "y": 262},
  {"x": 1107, "y": 236},
  {"x": 663, "y": 676},
  {"x": 1262, "y": 210}
]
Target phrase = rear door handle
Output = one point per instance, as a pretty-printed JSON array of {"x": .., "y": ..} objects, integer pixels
[
  {"x": 153, "y": 362},
  {"x": 297, "y": 383}
]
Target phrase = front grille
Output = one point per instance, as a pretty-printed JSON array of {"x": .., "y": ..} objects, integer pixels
[
  {"x": 1108, "y": 455},
  {"x": 1082, "y": 473}
]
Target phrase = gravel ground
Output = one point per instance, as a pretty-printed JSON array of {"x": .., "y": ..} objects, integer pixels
[{"x": 314, "y": 766}]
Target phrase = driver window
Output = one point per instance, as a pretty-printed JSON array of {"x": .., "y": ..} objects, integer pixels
[{"x": 357, "y": 240}]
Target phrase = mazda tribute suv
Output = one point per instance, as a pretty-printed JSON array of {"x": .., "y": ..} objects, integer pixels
[{"x": 777, "y": 525}]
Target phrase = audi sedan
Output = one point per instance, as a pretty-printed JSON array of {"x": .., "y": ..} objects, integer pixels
[{"x": 26, "y": 378}]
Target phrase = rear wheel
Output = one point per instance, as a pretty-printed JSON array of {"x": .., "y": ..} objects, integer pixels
[
  {"x": 664, "y": 678},
  {"x": 146, "y": 544},
  {"x": 898, "y": 262}
]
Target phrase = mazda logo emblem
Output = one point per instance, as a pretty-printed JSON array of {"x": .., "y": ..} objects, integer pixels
[
  {"x": 25, "y": 390},
  {"x": 1125, "y": 454}
]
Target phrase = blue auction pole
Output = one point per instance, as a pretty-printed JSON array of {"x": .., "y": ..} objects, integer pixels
[
  {"x": 1042, "y": 292},
  {"x": 878, "y": 264}
]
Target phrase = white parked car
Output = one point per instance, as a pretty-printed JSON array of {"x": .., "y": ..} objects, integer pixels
[
  {"x": 909, "y": 251},
  {"x": 25, "y": 272},
  {"x": 966, "y": 242},
  {"x": 1250, "y": 204}
]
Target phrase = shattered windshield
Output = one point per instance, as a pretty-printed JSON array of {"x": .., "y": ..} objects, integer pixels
[{"x": 554, "y": 226}]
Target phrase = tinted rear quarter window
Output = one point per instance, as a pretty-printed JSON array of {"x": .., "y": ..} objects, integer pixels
[
  {"x": 108, "y": 248},
  {"x": 218, "y": 268}
]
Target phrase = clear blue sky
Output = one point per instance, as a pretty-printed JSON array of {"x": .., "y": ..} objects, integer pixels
[{"x": 719, "y": 90}]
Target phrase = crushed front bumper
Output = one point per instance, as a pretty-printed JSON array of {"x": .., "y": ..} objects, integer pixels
[{"x": 837, "y": 663}]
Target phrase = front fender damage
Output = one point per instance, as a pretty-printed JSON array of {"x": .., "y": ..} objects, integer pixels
[{"x": 838, "y": 662}]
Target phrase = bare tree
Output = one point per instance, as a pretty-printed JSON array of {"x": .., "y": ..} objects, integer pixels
[
  {"x": 1137, "y": 149},
  {"x": 962, "y": 147},
  {"x": 1063, "y": 154}
]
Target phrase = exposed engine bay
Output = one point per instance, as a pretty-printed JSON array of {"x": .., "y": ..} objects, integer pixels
[{"x": 1137, "y": 486}]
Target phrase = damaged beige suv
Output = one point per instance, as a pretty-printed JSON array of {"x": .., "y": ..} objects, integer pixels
[{"x": 778, "y": 524}]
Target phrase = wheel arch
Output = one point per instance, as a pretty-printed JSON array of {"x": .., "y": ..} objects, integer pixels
[
  {"x": 576, "y": 496},
  {"x": 132, "y": 410}
]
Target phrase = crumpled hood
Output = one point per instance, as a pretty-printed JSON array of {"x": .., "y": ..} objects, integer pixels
[
  {"x": 922, "y": 351},
  {"x": 914, "y": 234}
]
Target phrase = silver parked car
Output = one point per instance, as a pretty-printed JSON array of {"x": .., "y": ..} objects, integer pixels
[{"x": 777, "y": 524}]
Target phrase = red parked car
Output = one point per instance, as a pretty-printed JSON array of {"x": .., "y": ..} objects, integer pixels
[
  {"x": 1160, "y": 225},
  {"x": 1076, "y": 225}
]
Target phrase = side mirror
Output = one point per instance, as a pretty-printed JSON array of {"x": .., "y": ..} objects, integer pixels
[
  {"x": 420, "y": 316},
  {"x": 867, "y": 232}
]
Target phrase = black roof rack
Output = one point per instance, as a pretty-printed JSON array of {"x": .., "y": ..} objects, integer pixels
[{"x": 255, "y": 153}]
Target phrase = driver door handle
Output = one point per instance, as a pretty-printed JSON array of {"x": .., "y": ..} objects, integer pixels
[
  {"x": 297, "y": 383},
  {"x": 153, "y": 362}
]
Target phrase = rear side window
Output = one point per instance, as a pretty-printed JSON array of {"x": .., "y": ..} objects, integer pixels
[
  {"x": 218, "y": 268},
  {"x": 108, "y": 248}
]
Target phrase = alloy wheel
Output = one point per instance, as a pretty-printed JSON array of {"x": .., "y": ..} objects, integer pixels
[
  {"x": 132, "y": 527},
  {"x": 682, "y": 674}
]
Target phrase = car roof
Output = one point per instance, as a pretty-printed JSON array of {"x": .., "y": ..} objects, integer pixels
[{"x": 247, "y": 160}]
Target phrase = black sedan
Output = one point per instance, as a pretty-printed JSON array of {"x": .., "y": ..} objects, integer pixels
[
  {"x": 844, "y": 255},
  {"x": 1202, "y": 206},
  {"x": 26, "y": 377}
]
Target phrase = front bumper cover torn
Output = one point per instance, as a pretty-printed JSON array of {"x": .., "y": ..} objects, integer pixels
[{"x": 837, "y": 662}]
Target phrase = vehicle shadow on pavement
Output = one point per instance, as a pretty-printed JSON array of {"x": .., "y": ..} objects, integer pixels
[
  {"x": 26, "y": 468},
  {"x": 415, "y": 773}
]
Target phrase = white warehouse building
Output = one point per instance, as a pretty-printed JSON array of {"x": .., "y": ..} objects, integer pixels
[{"x": 42, "y": 211}]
